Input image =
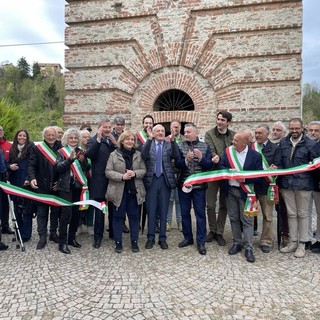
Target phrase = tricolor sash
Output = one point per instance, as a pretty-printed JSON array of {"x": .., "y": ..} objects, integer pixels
[
  {"x": 47, "y": 152},
  {"x": 251, "y": 204},
  {"x": 142, "y": 136},
  {"x": 79, "y": 175},
  {"x": 273, "y": 191}
]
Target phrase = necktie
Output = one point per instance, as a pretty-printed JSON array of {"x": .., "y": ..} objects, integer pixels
[{"x": 158, "y": 168}]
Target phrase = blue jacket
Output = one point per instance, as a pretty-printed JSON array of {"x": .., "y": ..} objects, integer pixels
[
  {"x": 304, "y": 152},
  {"x": 253, "y": 162},
  {"x": 170, "y": 151}
]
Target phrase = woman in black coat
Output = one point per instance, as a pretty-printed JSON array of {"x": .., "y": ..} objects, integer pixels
[
  {"x": 72, "y": 168},
  {"x": 19, "y": 156}
]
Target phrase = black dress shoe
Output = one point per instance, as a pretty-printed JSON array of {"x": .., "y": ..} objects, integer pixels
[
  {"x": 185, "y": 243},
  {"x": 308, "y": 245},
  {"x": 235, "y": 249},
  {"x": 163, "y": 245},
  {"x": 97, "y": 243},
  {"x": 3, "y": 246},
  {"x": 249, "y": 255},
  {"x": 7, "y": 231},
  {"x": 202, "y": 249},
  {"x": 315, "y": 248},
  {"x": 149, "y": 244},
  {"x": 74, "y": 243},
  {"x": 64, "y": 249}
]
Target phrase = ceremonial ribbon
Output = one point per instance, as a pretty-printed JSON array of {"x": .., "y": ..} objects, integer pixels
[
  {"x": 79, "y": 175},
  {"x": 231, "y": 174},
  {"x": 142, "y": 136},
  {"x": 47, "y": 198}
]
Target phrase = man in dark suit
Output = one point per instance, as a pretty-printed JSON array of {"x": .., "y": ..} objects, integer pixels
[
  {"x": 98, "y": 150},
  {"x": 271, "y": 158},
  {"x": 240, "y": 157},
  {"x": 43, "y": 179},
  {"x": 159, "y": 180}
]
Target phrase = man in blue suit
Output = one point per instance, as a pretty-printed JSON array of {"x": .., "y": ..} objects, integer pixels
[
  {"x": 159, "y": 180},
  {"x": 240, "y": 157}
]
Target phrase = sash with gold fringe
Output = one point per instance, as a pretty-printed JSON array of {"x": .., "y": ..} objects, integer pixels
[
  {"x": 273, "y": 190},
  {"x": 251, "y": 204}
]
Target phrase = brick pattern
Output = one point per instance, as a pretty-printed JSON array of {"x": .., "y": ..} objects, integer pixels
[{"x": 243, "y": 56}]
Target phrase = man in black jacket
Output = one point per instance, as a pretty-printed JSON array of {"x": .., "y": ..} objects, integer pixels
[
  {"x": 297, "y": 149},
  {"x": 98, "y": 150},
  {"x": 42, "y": 177},
  {"x": 271, "y": 158}
]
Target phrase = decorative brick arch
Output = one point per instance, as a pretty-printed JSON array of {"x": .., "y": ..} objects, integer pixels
[{"x": 180, "y": 78}]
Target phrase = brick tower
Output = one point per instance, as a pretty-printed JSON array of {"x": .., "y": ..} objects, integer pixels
[{"x": 183, "y": 59}]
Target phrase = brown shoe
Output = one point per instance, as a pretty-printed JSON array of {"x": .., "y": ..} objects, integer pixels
[
  {"x": 210, "y": 236},
  {"x": 220, "y": 240}
]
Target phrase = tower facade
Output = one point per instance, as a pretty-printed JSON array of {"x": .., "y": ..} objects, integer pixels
[{"x": 183, "y": 59}]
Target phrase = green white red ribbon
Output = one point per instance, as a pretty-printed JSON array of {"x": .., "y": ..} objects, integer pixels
[
  {"x": 48, "y": 198},
  {"x": 230, "y": 174}
]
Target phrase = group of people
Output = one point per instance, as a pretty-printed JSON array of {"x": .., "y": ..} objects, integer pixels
[{"x": 142, "y": 174}]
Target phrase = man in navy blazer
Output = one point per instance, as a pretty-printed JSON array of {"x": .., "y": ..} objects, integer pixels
[{"x": 240, "y": 223}]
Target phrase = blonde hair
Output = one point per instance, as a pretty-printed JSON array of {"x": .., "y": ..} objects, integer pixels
[{"x": 124, "y": 135}]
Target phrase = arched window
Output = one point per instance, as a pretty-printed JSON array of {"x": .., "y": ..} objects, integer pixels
[{"x": 173, "y": 100}]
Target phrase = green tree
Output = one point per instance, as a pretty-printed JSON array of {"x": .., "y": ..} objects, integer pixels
[
  {"x": 311, "y": 103},
  {"x": 24, "y": 68},
  {"x": 9, "y": 117},
  {"x": 36, "y": 72},
  {"x": 50, "y": 97}
]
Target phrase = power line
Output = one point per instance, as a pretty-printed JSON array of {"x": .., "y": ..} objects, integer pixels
[{"x": 29, "y": 44}]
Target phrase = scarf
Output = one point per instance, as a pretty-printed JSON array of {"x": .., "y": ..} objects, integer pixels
[{"x": 128, "y": 158}]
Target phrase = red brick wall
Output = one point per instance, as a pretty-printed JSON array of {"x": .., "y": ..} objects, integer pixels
[{"x": 241, "y": 56}]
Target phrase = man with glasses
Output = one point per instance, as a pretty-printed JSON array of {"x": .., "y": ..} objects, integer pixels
[{"x": 297, "y": 149}]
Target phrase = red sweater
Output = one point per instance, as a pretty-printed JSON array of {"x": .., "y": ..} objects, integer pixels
[{"x": 5, "y": 147}]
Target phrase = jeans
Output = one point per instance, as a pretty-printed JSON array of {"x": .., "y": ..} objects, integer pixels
[
  {"x": 198, "y": 198},
  {"x": 174, "y": 198}
]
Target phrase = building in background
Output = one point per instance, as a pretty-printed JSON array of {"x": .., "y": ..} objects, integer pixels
[{"x": 185, "y": 60}]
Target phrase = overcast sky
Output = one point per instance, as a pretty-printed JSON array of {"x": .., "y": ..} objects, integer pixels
[{"x": 42, "y": 21}]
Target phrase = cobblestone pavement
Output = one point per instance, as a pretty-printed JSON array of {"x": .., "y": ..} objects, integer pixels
[{"x": 156, "y": 284}]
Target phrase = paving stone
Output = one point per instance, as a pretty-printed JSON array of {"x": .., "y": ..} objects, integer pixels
[{"x": 177, "y": 283}]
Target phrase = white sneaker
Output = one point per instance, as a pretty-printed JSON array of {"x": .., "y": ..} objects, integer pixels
[
  {"x": 291, "y": 247},
  {"x": 301, "y": 251}
]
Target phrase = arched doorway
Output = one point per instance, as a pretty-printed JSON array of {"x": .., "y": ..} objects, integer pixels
[{"x": 173, "y": 100}]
